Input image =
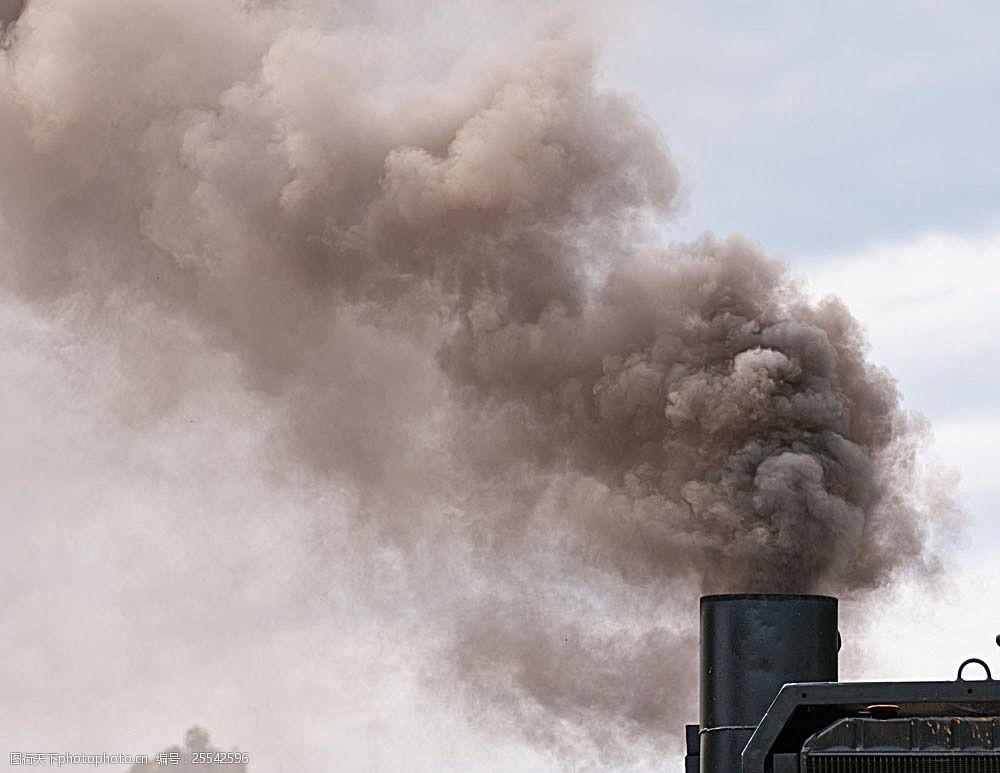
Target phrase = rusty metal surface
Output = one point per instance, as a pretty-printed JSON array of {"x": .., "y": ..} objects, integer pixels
[
  {"x": 929, "y": 735},
  {"x": 800, "y": 710}
]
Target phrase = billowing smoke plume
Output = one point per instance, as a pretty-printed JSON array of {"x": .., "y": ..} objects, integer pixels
[{"x": 446, "y": 269}]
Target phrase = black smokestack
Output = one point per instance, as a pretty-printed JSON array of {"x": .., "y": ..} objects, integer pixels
[
  {"x": 751, "y": 645},
  {"x": 446, "y": 277}
]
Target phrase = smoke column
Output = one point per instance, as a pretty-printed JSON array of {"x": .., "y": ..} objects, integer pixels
[{"x": 446, "y": 271}]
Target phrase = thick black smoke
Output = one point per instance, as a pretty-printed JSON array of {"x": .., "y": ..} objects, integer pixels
[{"x": 445, "y": 269}]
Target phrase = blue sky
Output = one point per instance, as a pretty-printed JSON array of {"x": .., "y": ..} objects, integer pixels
[{"x": 821, "y": 128}]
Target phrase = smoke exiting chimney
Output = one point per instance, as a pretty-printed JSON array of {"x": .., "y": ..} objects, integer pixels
[{"x": 445, "y": 276}]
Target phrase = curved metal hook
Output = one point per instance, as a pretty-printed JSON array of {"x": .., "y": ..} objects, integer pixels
[{"x": 977, "y": 661}]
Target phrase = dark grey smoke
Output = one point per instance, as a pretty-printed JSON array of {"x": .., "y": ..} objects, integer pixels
[
  {"x": 445, "y": 268},
  {"x": 710, "y": 420},
  {"x": 10, "y": 10}
]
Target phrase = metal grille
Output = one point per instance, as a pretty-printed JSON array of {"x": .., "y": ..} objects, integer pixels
[{"x": 903, "y": 763}]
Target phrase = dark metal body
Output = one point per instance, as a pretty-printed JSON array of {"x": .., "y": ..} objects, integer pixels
[
  {"x": 752, "y": 645},
  {"x": 936, "y": 724},
  {"x": 758, "y": 647}
]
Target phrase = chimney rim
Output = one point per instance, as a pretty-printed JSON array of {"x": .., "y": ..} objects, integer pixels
[{"x": 712, "y": 598}]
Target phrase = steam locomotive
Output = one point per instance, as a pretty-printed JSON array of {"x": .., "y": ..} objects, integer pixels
[{"x": 771, "y": 702}]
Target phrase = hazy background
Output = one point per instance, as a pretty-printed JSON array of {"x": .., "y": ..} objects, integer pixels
[{"x": 856, "y": 142}]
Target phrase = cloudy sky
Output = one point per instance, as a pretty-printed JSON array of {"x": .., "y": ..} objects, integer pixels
[{"x": 857, "y": 141}]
